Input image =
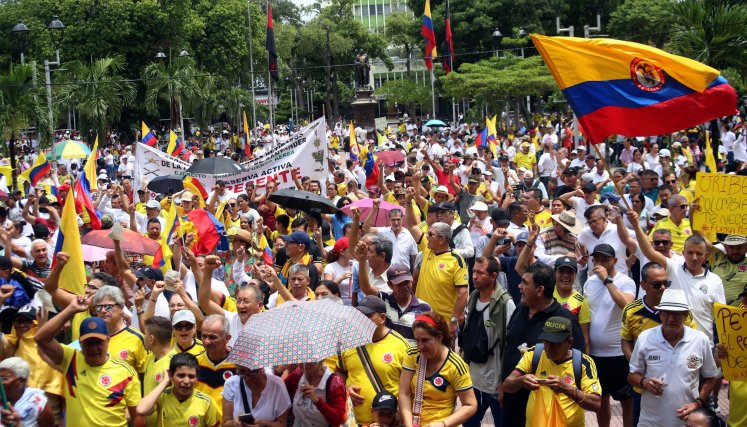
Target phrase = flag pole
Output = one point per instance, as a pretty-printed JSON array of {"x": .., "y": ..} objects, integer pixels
[
  {"x": 251, "y": 66},
  {"x": 433, "y": 93},
  {"x": 269, "y": 105}
]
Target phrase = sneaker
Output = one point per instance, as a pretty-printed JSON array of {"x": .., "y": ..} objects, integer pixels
[{"x": 117, "y": 232}]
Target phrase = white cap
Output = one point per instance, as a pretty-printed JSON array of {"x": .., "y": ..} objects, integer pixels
[
  {"x": 442, "y": 189},
  {"x": 528, "y": 174},
  {"x": 183, "y": 316},
  {"x": 479, "y": 206},
  {"x": 104, "y": 176},
  {"x": 153, "y": 204},
  {"x": 665, "y": 153}
]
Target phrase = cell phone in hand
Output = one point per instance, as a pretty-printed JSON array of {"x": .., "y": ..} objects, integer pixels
[{"x": 246, "y": 418}]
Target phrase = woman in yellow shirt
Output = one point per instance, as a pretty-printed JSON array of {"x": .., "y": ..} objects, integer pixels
[{"x": 446, "y": 377}]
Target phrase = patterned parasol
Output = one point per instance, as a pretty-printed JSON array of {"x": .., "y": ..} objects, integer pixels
[{"x": 300, "y": 332}]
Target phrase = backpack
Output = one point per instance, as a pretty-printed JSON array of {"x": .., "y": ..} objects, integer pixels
[
  {"x": 454, "y": 233},
  {"x": 474, "y": 340},
  {"x": 576, "y": 357}
]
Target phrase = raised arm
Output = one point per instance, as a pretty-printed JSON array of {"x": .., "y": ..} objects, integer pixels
[
  {"x": 413, "y": 223},
  {"x": 60, "y": 297},
  {"x": 622, "y": 231},
  {"x": 643, "y": 242},
  {"x": 371, "y": 215},
  {"x": 269, "y": 275},
  {"x": 527, "y": 254},
  {"x": 205, "y": 282},
  {"x": 355, "y": 232},
  {"x": 147, "y": 404},
  {"x": 46, "y": 343},
  {"x": 361, "y": 254}
]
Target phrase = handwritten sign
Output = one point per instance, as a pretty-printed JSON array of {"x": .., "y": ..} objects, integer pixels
[
  {"x": 731, "y": 326},
  {"x": 723, "y": 203}
]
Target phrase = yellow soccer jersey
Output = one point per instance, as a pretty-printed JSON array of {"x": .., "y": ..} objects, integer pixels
[
  {"x": 195, "y": 349},
  {"x": 128, "y": 345},
  {"x": 574, "y": 415},
  {"x": 211, "y": 377},
  {"x": 680, "y": 233},
  {"x": 638, "y": 317},
  {"x": 577, "y": 304},
  {"x": 385, "y": 356},
  {"x": 525, "y": 160},
  {"x": 153, "y": 376},
  {"x": 197, "y": 411},
  {"x": 75, "y": 323},
  {"x": 543, "y": 219},
  {"x": 98, "y": 395},
  {"x": 440, "y": 389},
  {"x": 440, "y": 276}
]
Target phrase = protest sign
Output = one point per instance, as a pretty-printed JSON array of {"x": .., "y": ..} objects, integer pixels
[
  {"x": 731, "y": 326},
  {"x": 723, "y": 203},
  {"x": 306, "y": 150}
]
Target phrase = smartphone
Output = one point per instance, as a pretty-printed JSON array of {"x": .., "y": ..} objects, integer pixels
[
  {"x": 246, "y": 418},
  {"x": 504, "y": 241}
]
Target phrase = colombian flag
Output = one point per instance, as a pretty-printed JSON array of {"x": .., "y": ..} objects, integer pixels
[
  {"x": 38, "y": 170},
  {"x": 73, "y": 275},
  {"x": 355, "y": 150},
  {"x": 89, "y": 171},
  {"x": 619, "y": 87},
  {"x": 430, "y": 36},
  {"x": 210, "y": 230},
  {"x": 247, "y": 141},
  {"x": 482, "y": 138},
  {"x": 194, "y": 185},
  {"x": 149, "y": 138},
  {"x": 162, "y": 258},
  {"x": 175, "y": 144}
]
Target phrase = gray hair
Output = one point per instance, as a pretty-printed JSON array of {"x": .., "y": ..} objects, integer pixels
[
  {"x": 383, "y": 245},
  {"x": 442, "y": 229},
  {"x": 38, "y": 242},
  {"x": 18, "y": 366},
  {"x": 258, "y": 294},
  {"x": 676, "y": 200},
  {"x": 298, "y": 269},
  {"x": 107, "y": 291},
  {"x": 218, "y": 318},
  {"x": 396, "y": 211}
]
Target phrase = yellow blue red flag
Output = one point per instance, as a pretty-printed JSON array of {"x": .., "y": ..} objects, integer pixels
[
  {"x": 426, "y": 31},
  {"x": 36, "y": 172},
  {"x": 620, "y": 87},
  {"x": 73, "y": 275}
]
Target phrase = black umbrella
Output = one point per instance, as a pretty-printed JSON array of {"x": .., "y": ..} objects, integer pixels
[
  {"x": 303, "y": 200},
  {"x": 168, "y": 184},
  {"x": 215, "y": 166}
]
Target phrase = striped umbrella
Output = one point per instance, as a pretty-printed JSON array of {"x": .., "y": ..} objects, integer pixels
[
  {"x": 69, "y": 149},
  {"x": 300, "y": 332}
]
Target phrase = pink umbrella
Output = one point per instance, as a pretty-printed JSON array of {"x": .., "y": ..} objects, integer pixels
[
  {"x": 132, "y": 242},
  {"x": 93, "y": 253},
  {"x": 365, "y": 206},
  {"x": 389, "y": 158}
]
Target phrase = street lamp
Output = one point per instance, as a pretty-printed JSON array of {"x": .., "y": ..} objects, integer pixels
[
  {"x": 21, "y": 33},
  {"x": 161, "y": 56},
  {"x": 522, "y": 34},
  {"x": 57, "y": 30},
  {"x": 497, "y": 41}
]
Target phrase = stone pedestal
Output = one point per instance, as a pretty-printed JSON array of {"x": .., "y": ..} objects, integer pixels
[{"x": 364, "y": 108}]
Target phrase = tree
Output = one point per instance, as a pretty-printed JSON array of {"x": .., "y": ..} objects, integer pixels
[
  {"x": 173, "y": 81},
  {"x": 642, "y": 21},
  {"x": 403, "y": 30},
  {"x": 98, "y": 91},
  {"x": 406, "y": 93}
]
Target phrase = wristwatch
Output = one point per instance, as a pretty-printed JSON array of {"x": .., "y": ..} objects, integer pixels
[
  {"x": 453, "y": 320},
  {"x": 607, "y": 281}
]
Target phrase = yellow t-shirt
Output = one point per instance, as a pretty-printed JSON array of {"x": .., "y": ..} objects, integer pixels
[
  {"x": 309, "y": 296},
  {"x": 525, "y": 160},
  {"x": 679, "y": 233},
  {"x": 574, "y": 415},
  {"x": 152, "y": 377},
  {"x": 41, "y": 374},
  {"x": 212, "y": 376},
  {"x": 543, "y": 219},
  {"x": 128, "y": 345},
  {"x": 195, "y": 349},
  {"x": 98, "y": 395},
  {"x": 737, "y": 408},
  {"x": 440, "y": 276},
  {"x": 75, "y": 323},
  {"x": 440, "y": 389},
  {"x": 576, "y": 304},
  {"x": 197, "y": 411},
  {"x": 386, "y": 356}
]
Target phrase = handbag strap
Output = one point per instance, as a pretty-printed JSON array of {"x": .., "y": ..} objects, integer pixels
[
  {"x": 417, "y": 403},
  {"x": 243, "y": 396},
  {"x": 370, "y": 371}
]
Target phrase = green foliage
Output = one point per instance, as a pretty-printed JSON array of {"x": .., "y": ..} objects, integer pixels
[
  {"x": 642, "y": 21},
  {"x": 97, "y": 91},
  {"x": 407, "y": 93},
  {"x": 173, "y": 82},
  {"x": 494, "y": 80},
  {"x": 403, "y": 31},
  {"x": 17, "y": 106}
]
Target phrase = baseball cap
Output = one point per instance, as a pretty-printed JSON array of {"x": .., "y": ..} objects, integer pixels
[
  {"x": 93, "y": 327},
  {"x": 103, "y": 177},
  {"x": 528, "y": 174},
  {"x": 556, "y": 330},
  {"x": 186, "y": 196},
  {"x": 298, "y": 237},
  {"x": 566, "y": 261},
  {"x": 149, "y": 273},
  {"x": 603, "y": 249},
  {"x": 611, "y": 197},
  {"x": 589, "y": 186},
  {"x": 398, "y": 273},
  {"x": 183, "y": 316},
  {"x": 500, "y": 216},
  {"x": 384, "y": 400},
  {"x": 665, "y": 153},
  {"x": 371, "y": 304},
  {"x": 28, "y": 312},
  {"x": 446, "y": 206},
  {"x": 522, "y": 237},
  {"x": 152, "y": 204}
]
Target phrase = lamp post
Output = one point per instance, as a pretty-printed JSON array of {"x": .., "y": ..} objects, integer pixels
[
  {"x": 21, "y": 33},
  {"x": 497, "y": 41},
  {"x": 522, "y": 34},
  {"x": 57, "y": 30},
  {"x": 160, "y": 56}
]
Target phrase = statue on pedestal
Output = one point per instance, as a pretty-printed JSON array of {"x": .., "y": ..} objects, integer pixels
[{"x": 362, "y": 68}]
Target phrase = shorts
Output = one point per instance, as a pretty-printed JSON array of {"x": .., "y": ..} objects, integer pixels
[{"x": 613, "y": 376}]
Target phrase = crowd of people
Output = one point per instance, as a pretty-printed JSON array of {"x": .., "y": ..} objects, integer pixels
[{"x": 531, "y": 276}]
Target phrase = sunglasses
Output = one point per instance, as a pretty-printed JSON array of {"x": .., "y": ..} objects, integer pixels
[
  {"x": 183, "y": 326},
  {"x": 659, "y": 283},
  {"x": 671, "y": 181},
  {"x": 233, "y": 205},
  {"x": 683, "y": 207},
  {"x": 105, "y": 307},
  {"x": 662, "y": 242}
]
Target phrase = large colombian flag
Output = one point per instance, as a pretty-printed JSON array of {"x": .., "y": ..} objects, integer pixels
[
  {"x": 73, "y": 275},
  {"x": 426, "y": 30},
  {"x": 619, "y": 87}
]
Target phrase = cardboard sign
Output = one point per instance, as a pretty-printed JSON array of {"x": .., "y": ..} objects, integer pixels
[
  {"x": 731, "y": 326},
  {"x": 723, "y": 203}
]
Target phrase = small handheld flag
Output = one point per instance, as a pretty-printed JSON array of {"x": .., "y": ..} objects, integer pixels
[
  {"x": 176, "y": 146},
  {"x": 247, "y": 140},
  {"x": 36, "y": 172},
  {"x": 149, "y": 138}
]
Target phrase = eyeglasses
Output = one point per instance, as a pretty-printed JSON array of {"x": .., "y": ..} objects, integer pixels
[
  {"x": 671, "y": 181},
  {"x": 683, "y": 207},
  {"x": 183, "y": 326},
  {"x": 662, "y": 242},
  {"x": 105, "y": 307},
  {"x": 594, "y": 221},
  {"x": 233, "y": 205},
  {"x": 659, "y": 283},
  {"x": 244, "y": 302}
]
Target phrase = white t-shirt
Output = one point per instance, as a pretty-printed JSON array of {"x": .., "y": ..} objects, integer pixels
[
  {"x": 404, "y": 246},
  {"x": 545, "y": 165},
  {"x": 606, "y": 316},
  {"x": 235, "y": 326},
  {"x": 273, "y": 400},
  {"x": 346, "y": 286},
  {"x": 609, "y": 236},
  {"x": 580, "y": 206}
]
